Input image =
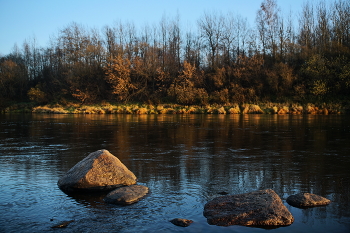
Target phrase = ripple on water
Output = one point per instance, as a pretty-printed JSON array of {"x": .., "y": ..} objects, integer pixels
[{"x": 184, "y": 167}]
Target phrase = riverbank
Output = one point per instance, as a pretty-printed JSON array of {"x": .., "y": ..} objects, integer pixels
[{"x": 107, "y": 108}]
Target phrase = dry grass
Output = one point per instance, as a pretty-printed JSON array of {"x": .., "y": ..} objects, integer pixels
[
  {"x": 221, "y": 110},
  {"x": 283, "y": 110},
  {"x": 48, "y": 109},
  {"x": 252, "y": 109},
  {"x": 234, "y": 110},
  {"x": 142, "y": 109}
]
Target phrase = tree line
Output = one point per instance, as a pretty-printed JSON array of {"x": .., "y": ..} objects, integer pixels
[{"x": 221, "y": 60}]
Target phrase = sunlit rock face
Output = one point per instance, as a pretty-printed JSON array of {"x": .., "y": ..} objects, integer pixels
[
  {"x": 307, "y": 200},
  {"x": 98, "y": 171},
  {"x": 259, "y": 208}
]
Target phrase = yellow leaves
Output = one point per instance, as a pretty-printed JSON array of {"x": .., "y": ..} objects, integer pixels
[
  {"x": 184, "y": 90},
  {"x": 219, "y": 77},
  {"x": 345, "y": 75},
  {"x": 35, "y": 94},
  {"x": 247, "y": 66},
  {"x": 286, "y": 74},
  {"x": 319, "y": 88},
  {"x": 8, "y": 69},
  {"x": 162, "y": 75},
  {"x": 8, "y": 64},
  {"x": 139, "y": 67},
  {"x": 188, "y": 72},
  {"x": 221, "y": 96},
  {"x": 120, "y": 68},
  {"x": 83, "y": 94}
]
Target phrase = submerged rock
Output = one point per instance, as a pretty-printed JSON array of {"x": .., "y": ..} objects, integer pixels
[
  {"x": 63, "y": 224},
  {"x": 181, "y": 222},
  {"x": 307, "y": 200},
  {"x": 126, "y": 195},
  {"x": 223, "y": 193},
  {"x": 259, "y": 208},
  {"x": 100, "y": 170}
]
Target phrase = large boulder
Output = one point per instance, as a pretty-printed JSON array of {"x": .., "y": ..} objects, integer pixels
[
  {"x": 259, "y": 208},
  {"x": 126, "y": 195},
  {"x": 100, "y": 170},
  {"x": 307, "y": 200}
]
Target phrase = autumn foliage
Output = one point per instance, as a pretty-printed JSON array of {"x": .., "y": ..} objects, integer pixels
[{"x": 222, "y": 60}]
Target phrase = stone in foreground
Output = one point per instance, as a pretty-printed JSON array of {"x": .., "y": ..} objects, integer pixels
[
  {"x": 100, "y": 170},
  {"x": 181, "y": 222},
  {"x": 126, "y": 195},
  {"x": 307, "y": 200},
  {"x": 259, "y": 208}
]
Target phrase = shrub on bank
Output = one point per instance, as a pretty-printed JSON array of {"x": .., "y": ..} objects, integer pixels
[{"x": 48, "y": 109}]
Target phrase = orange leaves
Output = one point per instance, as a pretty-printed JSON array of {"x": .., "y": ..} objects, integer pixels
[
  {"x": 247, "y": 67},
  {"x": 118, "y": 75},
  {"x": 184, "y": 89},
  {"x": 188, "y": 72}
]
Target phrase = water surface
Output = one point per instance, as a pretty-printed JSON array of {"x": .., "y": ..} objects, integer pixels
[{"x": 185, "y": 160}]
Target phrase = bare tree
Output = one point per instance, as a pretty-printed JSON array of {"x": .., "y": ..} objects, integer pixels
[
  {"x": 211, "y": 27},
  {"x": 267, "y": 24},
  {"x": 307, "y": 29},
  {"x": 322, "y": 28},
  {"x": 110, "y": 41},
  {"x": 192, "y": 49},
  {"x": 242, "y": 32},
  {"x": 341, "y": 24}
]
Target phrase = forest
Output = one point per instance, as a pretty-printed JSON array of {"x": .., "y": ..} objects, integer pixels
[{"x": 299, "y": 57}]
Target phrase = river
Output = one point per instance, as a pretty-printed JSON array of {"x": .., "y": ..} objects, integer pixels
[{"x": 185, "y": 160}]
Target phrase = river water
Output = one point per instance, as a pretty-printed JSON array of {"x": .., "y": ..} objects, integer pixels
[{"x": 185, "y": 160}]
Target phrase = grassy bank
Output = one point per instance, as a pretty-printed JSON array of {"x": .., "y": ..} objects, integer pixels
[{"x": 107, "y": 108}]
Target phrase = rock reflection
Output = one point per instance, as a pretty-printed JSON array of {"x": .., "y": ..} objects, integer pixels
[{"x": 89, "y": 200}]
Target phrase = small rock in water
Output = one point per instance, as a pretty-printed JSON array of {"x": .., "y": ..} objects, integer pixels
[
  {"x": 63, "y": 224},
  {"x": 126, "y": 195},
  {"x": 181, "y": 222},
  {"x": 307, "y": 200}
]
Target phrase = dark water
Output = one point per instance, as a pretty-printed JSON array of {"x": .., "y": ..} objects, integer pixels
[{"x": 185, "y": 160}]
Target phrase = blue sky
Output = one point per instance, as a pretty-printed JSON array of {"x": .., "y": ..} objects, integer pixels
[{"x": 22, "y": 20}]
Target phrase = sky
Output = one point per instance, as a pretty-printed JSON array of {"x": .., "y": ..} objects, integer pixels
[{"x": 26, "y": 20}]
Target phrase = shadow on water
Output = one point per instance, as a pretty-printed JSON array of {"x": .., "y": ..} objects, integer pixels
[{"x": 90, "y": 199}]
